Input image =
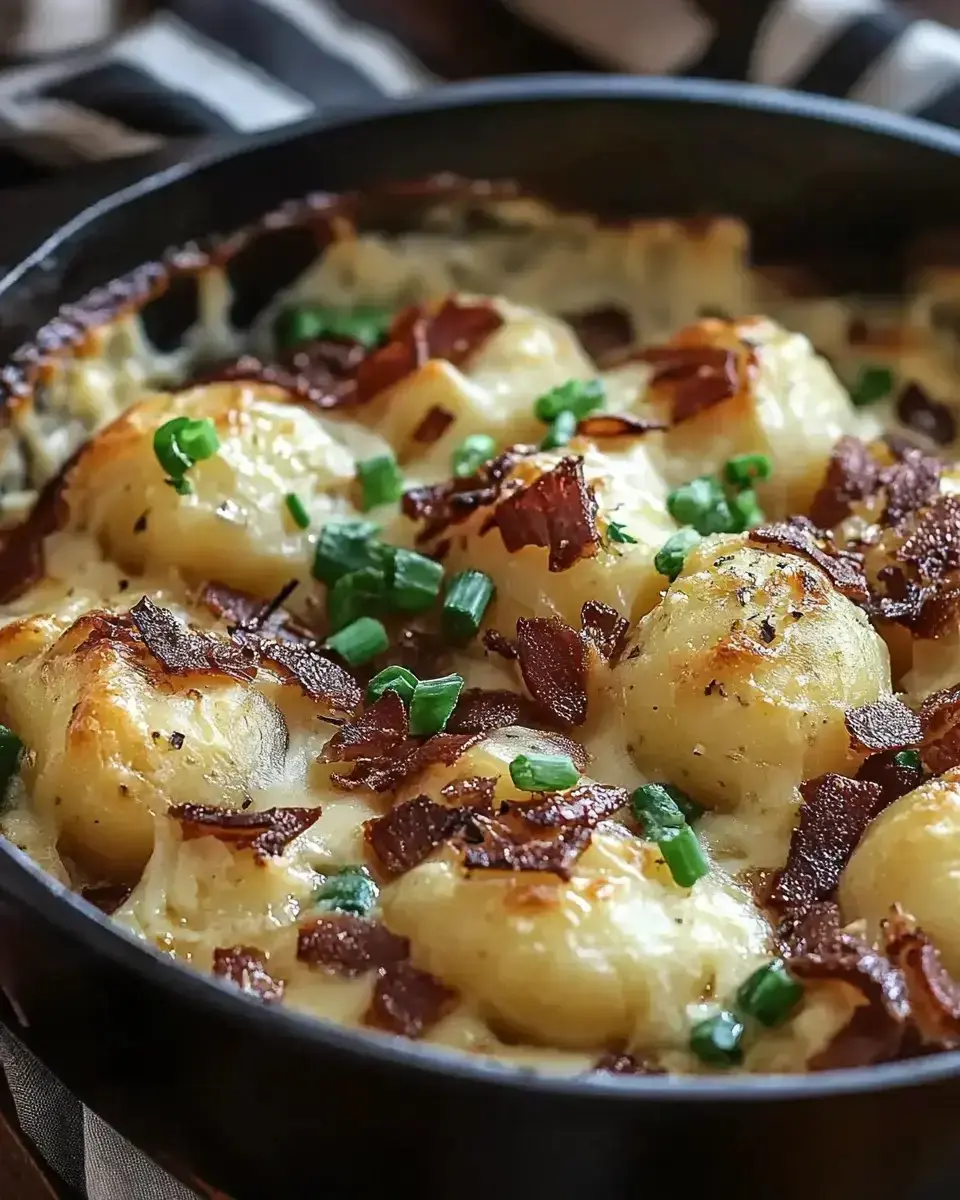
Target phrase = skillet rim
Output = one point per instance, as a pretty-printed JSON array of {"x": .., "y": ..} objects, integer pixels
[{"x": 66, "y": 910}]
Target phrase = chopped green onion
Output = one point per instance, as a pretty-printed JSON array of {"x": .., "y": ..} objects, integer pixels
[
  {"x": 684, "y": 855},
  {"x": 745, "y": 511},
  {"x": 693, "y": 502},
  {"x": 360, "y": 641},
  {"x": 562, "y": 429},
  {"x": 416, "y": 581},
  {"x": 349, "y": 890},
  {"x": 656, "y": 810},
  {"x": 689, "y": 807},
  {"x": 182, "y": 486},
  {"x": 198, "y": 440},
  {"x": 669, "y": 558},
  {"x": 345, "y": 546},
  {"x": 468, "y": 595},
  {"x": 717, "y": 1040},
  {"x": 472, "y": 453},
  {"x": 381, "y": 481},
  {"x": 909, "y": 759},
  {"x": 364, "y": 593},
  {"x": 578, "y": 396},
  {"x": 181, "y": 443},
  {"x": 871, "y": 385},
  {"x": 307, "y": 322},
  {"x": 433, "y": 703},
  {"x": 167, "y": 448},
  {"x": 543, "y": 772},
  {"x": 10, "y": 750},
  {"x": 618, "y": 533},
  {"x": 744, "y": 469},
  {"x": 297, "y": 510},
  {"x": 769, "y": 994},
  {"x": 392, "y": 679}
]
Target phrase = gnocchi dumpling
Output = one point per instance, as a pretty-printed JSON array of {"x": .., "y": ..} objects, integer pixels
[
  {"x": 234, "y": 524},
  {"x": 910, "y": 855},
  {"x": 740, "y": 678}
]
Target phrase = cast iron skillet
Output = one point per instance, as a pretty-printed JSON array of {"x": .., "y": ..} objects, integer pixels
[{"x": 269, "y": 1104}]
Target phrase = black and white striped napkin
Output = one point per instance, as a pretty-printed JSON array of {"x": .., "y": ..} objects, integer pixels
[{"x": 90, "y": 80}]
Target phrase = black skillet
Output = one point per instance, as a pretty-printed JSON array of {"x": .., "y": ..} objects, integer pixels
[{"x": 264, "y": 1103}]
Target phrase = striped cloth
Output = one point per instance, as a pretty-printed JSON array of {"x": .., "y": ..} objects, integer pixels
[{"x": 88, "y": 80}]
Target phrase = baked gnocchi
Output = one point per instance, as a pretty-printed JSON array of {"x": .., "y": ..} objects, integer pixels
[{"x": 511, "y": 640}]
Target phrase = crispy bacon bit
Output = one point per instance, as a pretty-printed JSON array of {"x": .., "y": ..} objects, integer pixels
[
  {"x": 883, "y": 725},
  {"x": 322, "y": 373},
  {"x": 453, "y": 501},
  {"x": 553, "y": 662},
  {"x": 387, "y": 773},
  {"x": 317, "y": 676},
  {"x": 834, "y": 814},
  {"x": 602, "y": 330},
  {"x": 844, "y": 570},
  {"x": 436, "y": 421},
  {"x": 934, "y": 993},
  {"x": 496, "y": 643},
  {"x": 266, "y": 833},
  {"x": 266, "y": 617},
  {"x": 373, "y": 734},
  {"x": 911, "y": 483},
  {"x": 940, "y": 721},
  {"x": 614, "y": 1063},
  {"x": 503, "y": 850},
  {"x": 614, "y": 425},
  {"x": 108, "y": 897},
  {"x": 350, "y": 945},
  {"x": 893, "y": 777},
  {"x": 852, "y": 474},
  {"x": 926, "y": 416},
  {"x": 604, "y": 627},
  {"x": 408, "y": 1001},
  {"x": 808, "y": 929},
  {"x": 475, "y": 792},
  {"x": 557, "y": 511},
  {"x": 586, "y": 805},
  {"x": 480, "y": 710},
  {"x": 695, "y": 377},
  {"x": 181, "y": 651},
  {"x": 246, "y": 967},
  {"x": 411, "y": 831},
  {"x": 934, "y": 546}
]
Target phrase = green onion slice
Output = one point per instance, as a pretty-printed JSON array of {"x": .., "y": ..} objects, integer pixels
[
  {"x": 543, "y": 772},
  {"x": 909, "y": 759},
  {"x": 562, "y": 429},
  {"x": 381, "y": 481},
  {"x": 769, "y": 994},
  {"x": 307, "y": 322},
  {"x": 392, "y": 679},
  {"x": 416, "y": 581},
  {"x": 349, "y": 890},
  {"x": 717, "y": 1040},
  {"x": 345, "y": 546},
  {"x": 578, "y": 396},
  {"x": 670, "y": 557},
  {"x": 468, "y": 595},
  {"x": 360, "y": 641},
  {"x": 297, "y": 510},
  {"x": 472, "y": 453},
  {"x": 618, "y": 533},
  {"x": 364, "y": 593},
  {"x": 683, "y": 854},
  {"x": 743, "y": 470},
  {"x": 872, "y": 384},
  {"x": 433, "y": 703}
]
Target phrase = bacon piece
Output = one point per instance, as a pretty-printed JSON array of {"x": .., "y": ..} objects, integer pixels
[
  {"x": 246, "y": 967},
  {"x": 883, "y": 725},
  {"x": 387, "y": 773},
  {"x": 584, "y": 806},
  {"x": 894, "y": 778},
  {"x": 266, "y": 617},
  {"x": 844, "y": 570},
  {"x": 926, "y": 416},
  {"x": 621, "y": 1063},
  {"x": 558, "y": 511},
  {"x": 940, "y": 721},
  {"x": 317, "y": 676},
  {"x": 435, "y": 423},
  {"x": 911, "y": 484},
  {"x": 694, "y": 377},
  {"x": 496, "y": 643},
  {"x": 605, "y": 627},
  {"x": 933, "y": 992},
  {"x": 350, "y": 945},
  {"x": 852, "y": 474},
  {"x": 266, "y": 833},
  {"x": 411, "y": 831},
  {"x": 481, "y": 710},
  {"x": 502, "y": 850},
  {"x": 182, "y": 651},
  {"x": 602, "y": 330},
  {"x": 321, "y": 373},
  {"x": 475, "y": 792},
  {"x": 934, "y": 546},
  {"x": 553, "y": 662},
  {"x": 408, "y": 1001},
  {"x": 614, "y": 425},
  {"x": 451, "y": 502},
  {"x": 374, "y": 734},
  {"x": 833, "y": 817}
]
